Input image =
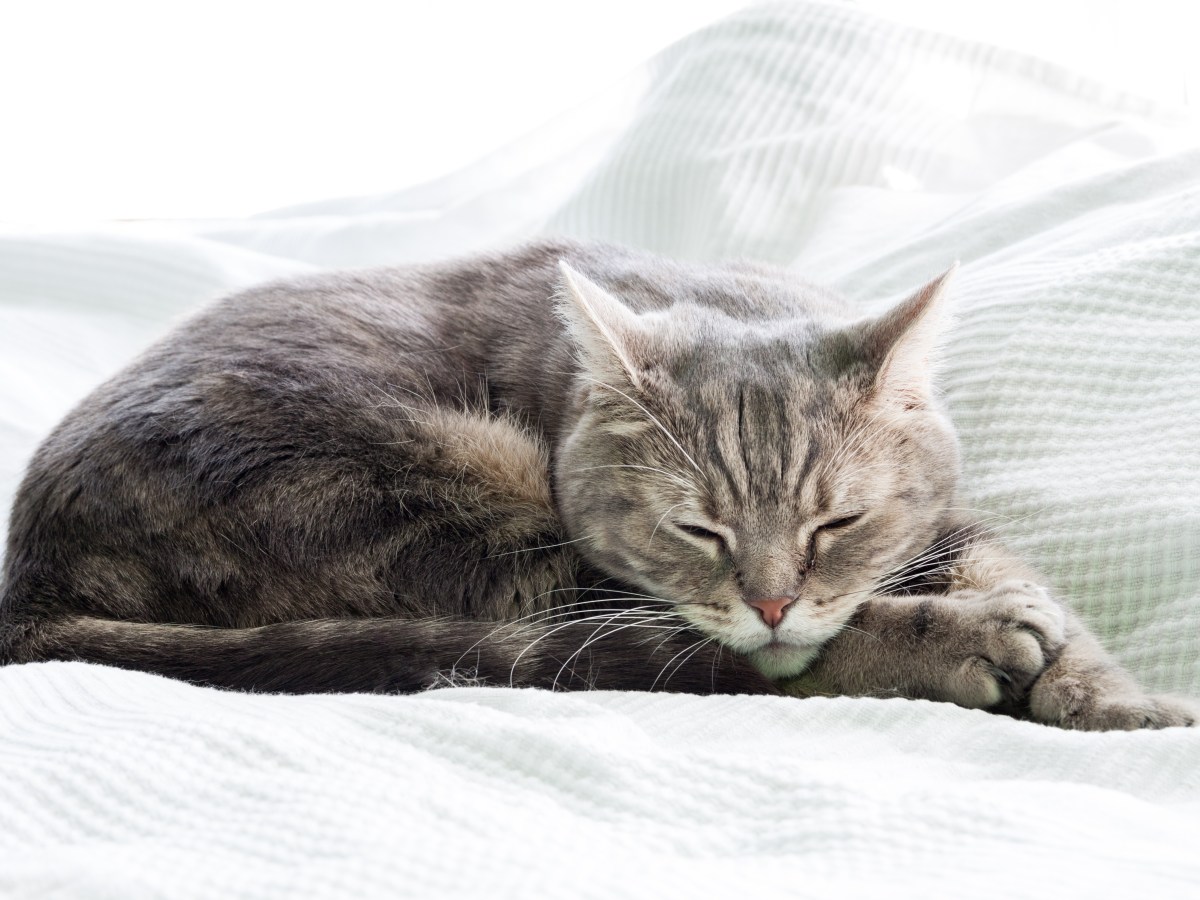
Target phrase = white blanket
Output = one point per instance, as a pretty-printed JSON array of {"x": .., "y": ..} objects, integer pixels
[
  {"x": 867, "y": 155},
  {"x": 127, "y": 786}
]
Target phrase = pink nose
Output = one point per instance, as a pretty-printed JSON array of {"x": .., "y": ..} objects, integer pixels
[{"x": 772, "y": 608}]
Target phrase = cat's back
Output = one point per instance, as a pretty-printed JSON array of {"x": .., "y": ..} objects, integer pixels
[
  {"x": 302, "y": 363},
  {"x": 262, "y": 446},
  {"x": 313, "y": 351},
  {"x": 461, "y": 313}
]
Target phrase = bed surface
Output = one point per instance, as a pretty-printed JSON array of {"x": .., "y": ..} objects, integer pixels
[
  {"x": 864, "y": 154},
  {"x": 132, "y": 786}
]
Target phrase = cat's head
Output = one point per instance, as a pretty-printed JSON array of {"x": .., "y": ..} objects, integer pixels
[{"x": 760, "y": 474}]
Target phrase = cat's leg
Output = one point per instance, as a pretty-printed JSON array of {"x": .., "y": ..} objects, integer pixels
[
  {"x": 977, "y": 648},
  {"x": 1085, "y": 688},
  {"x": 993, "y": 639}
]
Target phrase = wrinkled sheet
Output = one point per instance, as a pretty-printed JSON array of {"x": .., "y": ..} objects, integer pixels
[{"x": 864, "y": 154}]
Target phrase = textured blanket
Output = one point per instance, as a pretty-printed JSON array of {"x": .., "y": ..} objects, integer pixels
[{"x": 867, "y": 155}]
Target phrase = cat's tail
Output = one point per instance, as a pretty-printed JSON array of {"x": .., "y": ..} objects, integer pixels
[{"x": 395, "y": 655}]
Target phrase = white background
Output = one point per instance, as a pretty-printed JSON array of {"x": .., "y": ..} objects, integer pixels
[{"x": 129, "y": 109}]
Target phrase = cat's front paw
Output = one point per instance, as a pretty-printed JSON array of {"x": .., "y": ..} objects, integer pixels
[
  {"x": 1071, "y": 702},
  {"x": 1002, "y": 640}
]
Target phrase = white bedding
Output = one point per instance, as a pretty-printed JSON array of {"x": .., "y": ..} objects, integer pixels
[{"x": 867, "y": 155}]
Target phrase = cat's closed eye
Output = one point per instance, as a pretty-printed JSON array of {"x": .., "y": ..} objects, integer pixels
[
  {"x": 704, "y": 534},
  {"x": 842, "y": 522}
]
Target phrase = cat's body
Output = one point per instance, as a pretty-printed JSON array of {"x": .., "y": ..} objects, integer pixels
[{"x": 387, "y": 479}]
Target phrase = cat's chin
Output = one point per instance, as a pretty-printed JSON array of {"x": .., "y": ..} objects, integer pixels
[{"x": 779, "y": 660}]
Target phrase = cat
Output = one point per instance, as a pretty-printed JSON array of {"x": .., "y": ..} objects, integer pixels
[{"x": 569, "y": 466}]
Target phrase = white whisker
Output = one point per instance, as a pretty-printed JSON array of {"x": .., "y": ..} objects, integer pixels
[
  {"x": 586, "y": 537},
  {"x": 695, "y": 648},
  {"x": 653, "y": 418},
  {"x": 660, "y": 521},
  {"x": 678, "y": 479}
]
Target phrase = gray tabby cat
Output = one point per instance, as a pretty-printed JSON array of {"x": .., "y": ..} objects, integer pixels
[{"x": 700, "y": 478}]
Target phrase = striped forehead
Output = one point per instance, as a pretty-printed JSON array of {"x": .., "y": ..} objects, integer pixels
[{"x": 762, "y": 445}]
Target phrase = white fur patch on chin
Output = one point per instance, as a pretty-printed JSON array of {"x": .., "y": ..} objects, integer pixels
[{"x": 782, "y": 660}]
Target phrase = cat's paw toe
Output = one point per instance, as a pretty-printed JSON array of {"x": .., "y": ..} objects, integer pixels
[
  {"x": 982, "y": 682},
  {"x": 1011, "y": 633},
  {"x": 1009, "y": 661},
  {"x": 1071, "y": 703},
  {"x": 1027, "y": 607}
]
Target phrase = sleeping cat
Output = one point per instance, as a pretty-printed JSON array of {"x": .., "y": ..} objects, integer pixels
[{"x": 569, "y": 465}]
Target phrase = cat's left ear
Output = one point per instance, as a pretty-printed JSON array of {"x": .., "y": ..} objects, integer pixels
[
  {"x": 605, "y": 331},
  {"x": 901, "y": 344}
]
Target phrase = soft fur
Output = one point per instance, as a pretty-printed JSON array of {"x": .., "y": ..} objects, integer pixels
[{"x": 567, "y": 466}]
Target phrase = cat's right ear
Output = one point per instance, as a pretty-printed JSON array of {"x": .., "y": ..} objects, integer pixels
[
  {"x": 901, "y": 345},
  {"x": 605, "y": 331}
]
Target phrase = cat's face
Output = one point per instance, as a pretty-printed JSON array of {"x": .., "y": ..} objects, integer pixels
[{"x": 761, "y": 481}]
